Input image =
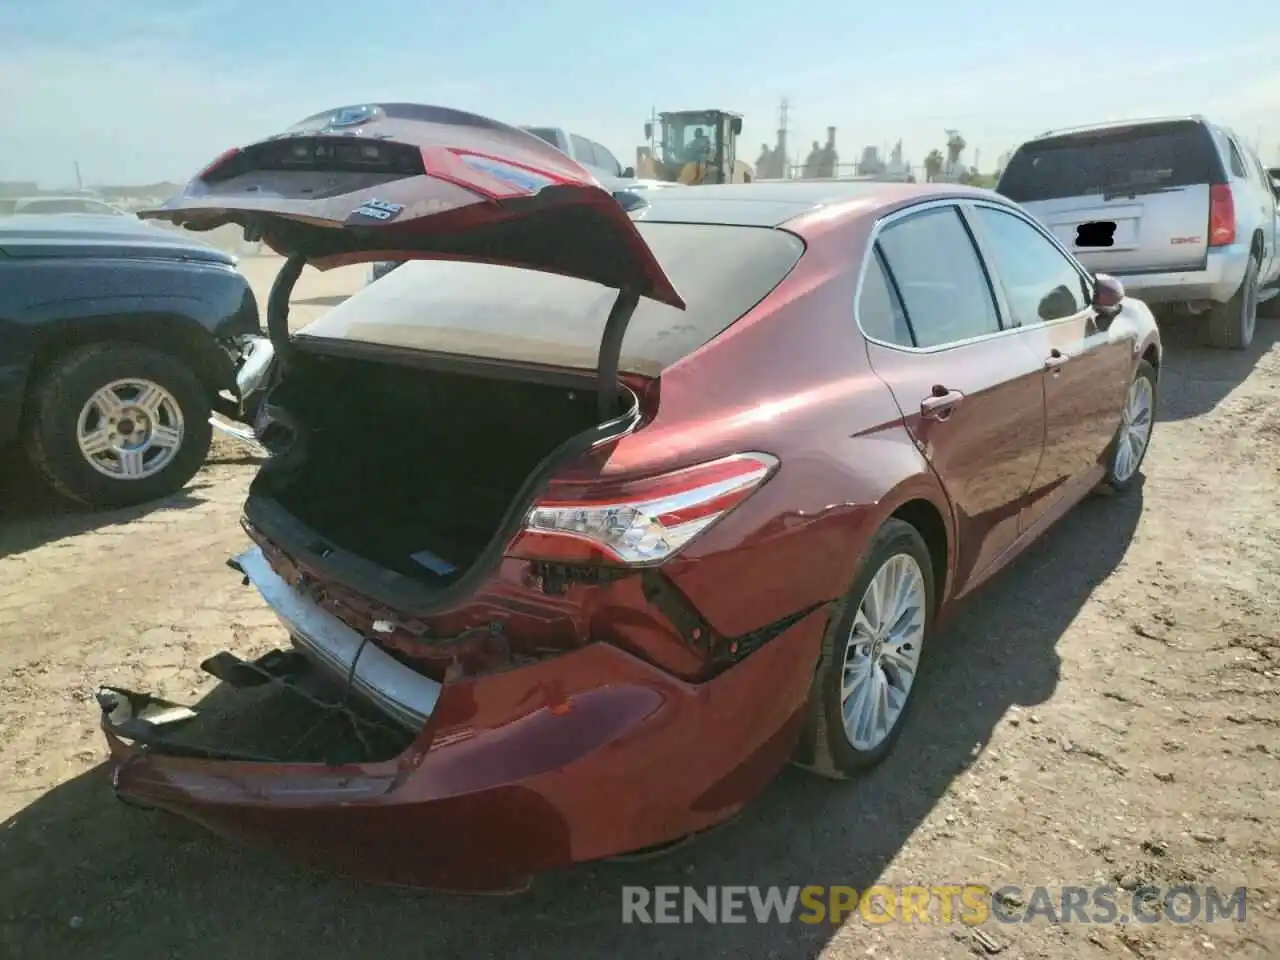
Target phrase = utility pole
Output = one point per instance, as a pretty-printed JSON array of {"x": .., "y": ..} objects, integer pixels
[
  {"x": 784, "y": 110},
  {"x": 79, "y": 181},
  {"x": 653, "y": 128}
]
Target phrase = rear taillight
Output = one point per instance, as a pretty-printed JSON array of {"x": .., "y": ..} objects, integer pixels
[
  {"x": 1222, "y": 215},
  {"x": 641, "y": 521}
]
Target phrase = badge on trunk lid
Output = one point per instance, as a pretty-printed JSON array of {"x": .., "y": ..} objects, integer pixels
[{"x": 379, "y": 211}]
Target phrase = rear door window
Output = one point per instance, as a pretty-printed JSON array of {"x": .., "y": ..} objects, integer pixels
[
  {"x": 935, "y": 267},
  {"x": 880, "y": 312},
  {"x": 582, "y": 151},
  {"x": 1237, "y": 161},
  {"x": 1039, "y": 282},
  {"x": 605, "y": 159},
  {"x": 1151, "y": 156}
]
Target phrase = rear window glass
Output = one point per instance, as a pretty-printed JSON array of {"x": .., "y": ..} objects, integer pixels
[
  {"x": 505, "y": 313},
  {"x": 1151, "y": 156},
  {"x": 545, "y": 133}
]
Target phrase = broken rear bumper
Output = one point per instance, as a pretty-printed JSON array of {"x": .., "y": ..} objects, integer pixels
[{"x": 587, "y": 755}]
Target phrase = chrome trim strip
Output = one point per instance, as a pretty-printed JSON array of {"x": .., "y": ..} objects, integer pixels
[{"x": 404, "y": 694}]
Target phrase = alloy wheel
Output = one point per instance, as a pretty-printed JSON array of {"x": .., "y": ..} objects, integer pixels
[
  {"x": 882, "y": 653},
  {"x": 1249, "y": 303},
  {"x": 1135, "y": 430},
  {"x": 130, "y": 429}
]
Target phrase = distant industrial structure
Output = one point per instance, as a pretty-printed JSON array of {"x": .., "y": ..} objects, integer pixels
[
  {"x": 822, "y": 161},
  {"x": 946, "y": 164}
]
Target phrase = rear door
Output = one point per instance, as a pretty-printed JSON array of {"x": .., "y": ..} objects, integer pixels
[
  {"x": 1125, "y": 199},
  {"x": 1086, "y": 369},
  {"x": 1264, "y": 195},
  {"x": 584, "y": 151},
  {"x": 970, "y": 391}
]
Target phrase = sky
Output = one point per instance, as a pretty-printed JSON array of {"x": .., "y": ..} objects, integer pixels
[{"x": 138, "y": 91}]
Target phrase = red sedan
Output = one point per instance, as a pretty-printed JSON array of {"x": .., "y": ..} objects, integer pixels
[{"x": 585, "y": 521}]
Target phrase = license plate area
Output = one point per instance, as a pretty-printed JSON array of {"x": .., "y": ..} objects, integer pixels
[{"x": 1095, "y": 234}]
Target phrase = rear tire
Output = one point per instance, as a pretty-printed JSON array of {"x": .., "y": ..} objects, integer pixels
[
  {"x": 1230, "y": 325},
  {"x": 1270, "y": 309},
  {"x": 827, "y": 746},
  {"x": 84, "y": 413}
]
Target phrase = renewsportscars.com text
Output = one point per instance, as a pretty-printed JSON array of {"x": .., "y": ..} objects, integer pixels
[{"x": 968, "y": 904}]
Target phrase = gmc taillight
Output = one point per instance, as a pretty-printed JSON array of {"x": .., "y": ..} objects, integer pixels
[
  {"x": 1222, "y": 215},
  {"x": 637, "y": 522}
]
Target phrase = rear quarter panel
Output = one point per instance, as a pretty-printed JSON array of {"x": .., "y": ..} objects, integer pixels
[{"x": 791, "y": 379}]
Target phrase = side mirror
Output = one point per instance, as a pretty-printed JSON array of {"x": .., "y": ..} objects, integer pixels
[
  {"x": 648, "y": 131},
  {"x": 736, "y": 125},
  {"x": 1108, "y": 295},
  {"x": 629, "y": 172}
]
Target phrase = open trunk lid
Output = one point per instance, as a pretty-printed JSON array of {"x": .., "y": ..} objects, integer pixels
[
  {"x": 399, "y": 181},
  {"x": 1125, "y": 199}
]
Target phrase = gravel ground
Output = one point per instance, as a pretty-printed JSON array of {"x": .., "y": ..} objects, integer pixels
[{"x": 1104, "y": 713}]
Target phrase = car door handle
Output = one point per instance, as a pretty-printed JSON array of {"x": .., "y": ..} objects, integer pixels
[
  {"x": 941, "y": 404},
  {"x": 1055, "y": 360}
]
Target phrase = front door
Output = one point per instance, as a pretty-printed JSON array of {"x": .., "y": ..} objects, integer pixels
[
  {"x": 971, "y": 393},
  {"x": 1086, "y": 369}
]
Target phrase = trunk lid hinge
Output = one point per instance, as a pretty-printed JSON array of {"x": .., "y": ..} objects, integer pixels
[
  {"x": 615, "y": 328},
  {"x": 278, "y": 303}
]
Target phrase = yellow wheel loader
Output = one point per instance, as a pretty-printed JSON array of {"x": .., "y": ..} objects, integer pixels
[{"x": 693, "y": 147}]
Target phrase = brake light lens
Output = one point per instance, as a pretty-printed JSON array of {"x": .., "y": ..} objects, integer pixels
[
  {"x": 1222, "y": 215},
  {"x": 637, "y": 523}
]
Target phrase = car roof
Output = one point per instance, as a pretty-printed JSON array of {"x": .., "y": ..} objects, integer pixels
[
  {"x": 1088, "y": 128},
  {"x": 59, "y": 196},
  {"x": 93, "y": 234},
  {"x": 778, "y": 202},
  {"x": 103, "y": 225}
]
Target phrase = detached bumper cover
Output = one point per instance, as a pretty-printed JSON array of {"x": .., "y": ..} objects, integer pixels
[{"x": 588, "y": 755}]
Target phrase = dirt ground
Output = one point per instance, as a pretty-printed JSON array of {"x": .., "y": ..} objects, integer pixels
[{"x": 1106, "y": 712}]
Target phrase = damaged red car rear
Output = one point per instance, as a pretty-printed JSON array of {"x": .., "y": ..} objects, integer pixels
[{"x": 560, "y": 516}]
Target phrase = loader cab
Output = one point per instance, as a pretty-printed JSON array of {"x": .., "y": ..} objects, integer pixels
[{"x": 695, "y": 146}]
